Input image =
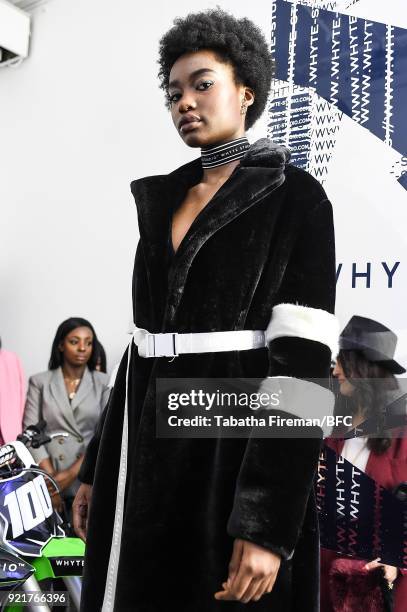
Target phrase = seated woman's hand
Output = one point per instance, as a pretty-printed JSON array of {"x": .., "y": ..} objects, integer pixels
[
  {"x": 64, "y": 479},
  {"x": 57, "y": 502},
  {"x": 47, "y": 466},
  {"x": 252, "y": 572}
]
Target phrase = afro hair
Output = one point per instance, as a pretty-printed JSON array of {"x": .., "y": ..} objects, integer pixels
[{"x": 236, "y": 41}]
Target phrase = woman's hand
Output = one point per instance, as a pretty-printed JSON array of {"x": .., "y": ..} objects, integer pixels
[
  {"x": 64, "y": 478},
  {"x": 57, "y": 502},
  {"x": 252, "y": 572},
  {"x": 80, "y": 510},
  {"x": 390, "y": 572},
  {"x": 47, "y": 465}
]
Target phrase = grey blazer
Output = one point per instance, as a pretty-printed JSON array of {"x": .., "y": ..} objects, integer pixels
[{"x": 47, "y": 398}]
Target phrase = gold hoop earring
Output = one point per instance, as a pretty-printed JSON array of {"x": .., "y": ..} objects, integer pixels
[{"x": 243, "y": 108}]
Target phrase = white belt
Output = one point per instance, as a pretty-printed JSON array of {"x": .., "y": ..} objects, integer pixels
[{"x": 172, "y": 344}]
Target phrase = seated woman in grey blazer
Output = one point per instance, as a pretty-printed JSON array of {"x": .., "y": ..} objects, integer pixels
[{"x": 70, "y": 397}]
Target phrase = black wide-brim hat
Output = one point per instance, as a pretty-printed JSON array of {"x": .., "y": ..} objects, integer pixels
[{"x": 376, "y": 341}]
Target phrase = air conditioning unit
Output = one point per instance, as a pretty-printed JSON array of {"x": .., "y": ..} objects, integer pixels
[{"x": 14, "y": 33}]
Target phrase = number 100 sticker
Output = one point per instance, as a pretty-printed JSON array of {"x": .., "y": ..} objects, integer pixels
[{"x": 28, "y": 506}]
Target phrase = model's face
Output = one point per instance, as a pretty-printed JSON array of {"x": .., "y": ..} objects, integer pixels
[
  {"x": 77, "y": 346},
  {"x": 203, "y": 89},
  {"x": 345, "y": 387}
]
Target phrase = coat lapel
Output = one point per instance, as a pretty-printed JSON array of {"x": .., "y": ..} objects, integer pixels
[
  {"x": 85, "y": 387},
  {"x": 58, "y": 390},
  {"x": 260, "y": 172}
]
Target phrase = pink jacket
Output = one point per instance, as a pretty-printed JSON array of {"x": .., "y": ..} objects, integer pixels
[{"x": 12, "y": 395}]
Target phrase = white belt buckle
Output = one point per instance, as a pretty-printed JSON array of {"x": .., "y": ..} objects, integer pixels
[{"x": 162, "y": 345}]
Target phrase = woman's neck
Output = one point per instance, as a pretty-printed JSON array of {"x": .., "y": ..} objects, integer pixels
[
  {"x": 219, "y": 174},
  {"x": 73, "y": 372}
]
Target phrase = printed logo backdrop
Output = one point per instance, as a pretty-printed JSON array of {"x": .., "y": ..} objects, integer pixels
[{"x": 339, "y": 104}]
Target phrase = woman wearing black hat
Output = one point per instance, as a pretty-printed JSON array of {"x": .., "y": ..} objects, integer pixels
[{"x": 365, "y": 370}]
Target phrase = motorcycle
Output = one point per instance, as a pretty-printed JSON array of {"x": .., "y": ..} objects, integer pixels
[{"x": 34, "y": 544}]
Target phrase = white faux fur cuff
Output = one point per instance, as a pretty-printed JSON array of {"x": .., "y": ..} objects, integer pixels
[{"x": 298, "y": 321}]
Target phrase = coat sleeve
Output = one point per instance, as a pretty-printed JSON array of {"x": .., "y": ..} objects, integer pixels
[
  {"x": 276, "y": 474},
  {"x": 32, "y": 414},
  {"x": 22, "y": 389}
]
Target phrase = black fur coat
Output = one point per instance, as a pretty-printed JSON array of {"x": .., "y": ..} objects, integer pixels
[{"x": 265, "y": 238}]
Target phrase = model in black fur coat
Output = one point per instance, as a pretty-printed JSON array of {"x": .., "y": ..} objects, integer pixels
[{"x": 263, "y": 245}]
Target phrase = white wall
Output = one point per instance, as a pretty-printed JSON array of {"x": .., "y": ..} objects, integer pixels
[{"x": 79, "y": 119}]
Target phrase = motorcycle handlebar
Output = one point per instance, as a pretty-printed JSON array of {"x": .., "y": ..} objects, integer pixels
[{"x": 35, "y": 436}]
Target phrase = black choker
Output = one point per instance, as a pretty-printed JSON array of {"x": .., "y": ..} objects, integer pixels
[{"x": 217, "y": 155}]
